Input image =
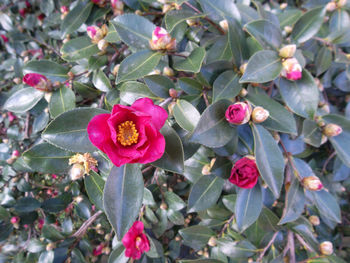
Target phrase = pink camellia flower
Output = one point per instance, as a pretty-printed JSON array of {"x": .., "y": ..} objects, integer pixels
[
  {"x": 161, "y": 40},
  {"x": 11, "y": 116},
  {"x": 53, "y": 176},
  {"x": 292, "y": 70},
  {"x": 41, "y": 223},
  {"x": 245, "y": 173},
  {"x": 97, "y": 250},
  {"x": 16, "y": 154},
  {"x": 38, "y": 81},
  {"x": 14, "y": 220},
  {"x": 41, "y": 17},
  {"x": 4, "y": 38},
  {"x": 64, "y": 9},
  {"x": 117, "y": 7},
  {"x": 23, "y": 12},
  {"x": 135, "y": 241},
  {"x": 130, "y": 134},
  {"x": 238, "y": 113}
]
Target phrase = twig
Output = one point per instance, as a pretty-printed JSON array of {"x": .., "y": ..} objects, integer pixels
[
  {"x": 226, "y": 225},
  {"x": 165, "y": 102},
  {"x": 288, "y": 155},
  {"x": 26, "y": 129},
  {"x": 155, "y": 13},
  {"x": 100, "y": 104},
  {"x": 324, "y": 168},
  {"x": 46, "y": 45},
  {"x": 302, "y": 241},
  {"x": 145, "y": 170},
  {"x": 267, "y": 247},
  {"x": 291, "y": 247},
  {"x": 81, "y": 231},
  {"x": 205, "y": 97}
]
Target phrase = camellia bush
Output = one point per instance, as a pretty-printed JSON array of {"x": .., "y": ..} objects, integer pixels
[{"x": 181, "y": 131}]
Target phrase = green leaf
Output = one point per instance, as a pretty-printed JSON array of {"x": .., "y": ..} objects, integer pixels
[
  {"x": 112, "y": 35},
  {"x": 200, "y": 261},
  {"x": 196, "y": 236},
  {"x": 173, "y": 157},
  {"x": 51, "y": 233},
  {"x": 135, "y": 31},
  {"x": 190, "y": 86},
  {"x": 226, "y": 86},
  {"x": 46, "y": 257},
  {"x": 212, "y": 129},
  {"x": 122, "y": 197},
  {"x": 193, "y": 62},
  {"x": 97, "y": 62},
  {"x": 205, "y": 193},
  {"x": 133, "y": 90},
  {"x": 47, "y": 7},
  {"x": 174, "y": 201},
  {"x": 248, "y": 206},
  {"x": 294, "y": 204},
  {"x": 175, "y": 217},
  {"x": 159, "y": 85},
  {"x": 238, "y": 43},
  {"x": 138, "y": 65},
  {"x": 341, "y": 143},
  {"x": 308, "y": 24},
  {"x": 48, "y": 68},
  {"x": 76, "y": 17},
  {"x": 186, "y": 115},
  {"x": 79, "y": 48},
  {"x": 301, "y": 96},
  {"x": 323, "y": 60},
  {"x": 280, "y": 119},
  {"x": 23, "y": 100},
  {"x": 221, "y": 50},
  {"x": 266, "y": 33},
  {"x": 68, "y": 130},
  {"x": 118, "y": 255},
  {"x": 312, "y": 133},
  {"x": 262, "y": 67},
  {"x": 269, "y": 159},
  {"x": 101, "y": 81},
  {"x": 230, "y": 202},
  {"x": 46, "y": 158},
  {"x": 219, "y": 10},
  {"x": 27, "y": 204},
  {"x": 54, "y": 205},
  {"x": 234, "y": 249},
  {"x": 61, "y": 101},
  {"x": 175, "y": 17},
  {"x": 94, "y": 185}
]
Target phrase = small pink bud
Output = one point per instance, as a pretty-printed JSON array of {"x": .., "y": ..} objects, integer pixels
[
  {"x": 291, "y": 69},
  {"x": 11, "y": 116},
  {"x": 16, "y": 154},
  {"x": 259, "y": 114},
  {"x": 161, "y": 40},
  {"x": 331, "y": 130},
  {"x": 238, "y": 113},
  {"x": 37, "y": 81},
  {"x": 4, "y": 38},
  {"x": 41, "y": 17},
  {"x": 14, "y": 220},
  {"x": 53, "y": 176},
  {"x": 326, "y": 248},
  {"x": 287, "y": 51},
  {"x": 23, "y": 12},
  {"x": 98, "y": 250},
  {"x": 64, "y": 9},
  {"x": 28, "y": 5},
  {"x": 312, "y": 183},
  {"x": 95, "y": 33}
]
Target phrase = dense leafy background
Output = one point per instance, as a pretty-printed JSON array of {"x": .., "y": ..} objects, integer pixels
[{"x": 184, "y": 199}]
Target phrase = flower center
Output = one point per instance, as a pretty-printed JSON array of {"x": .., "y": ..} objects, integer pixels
[
  {"x": 138, "y": 242},
  {"x": 127, "y": 133}
]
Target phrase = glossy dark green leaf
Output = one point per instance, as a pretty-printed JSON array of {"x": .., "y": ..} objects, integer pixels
[
  {"x": 175, "y": 217},
  {"x": 301, "y": 96},
  {"x": 134, "y": 30},
  {"x": 237, "y": 42},
  {"x": 327, "y": 205},
  {"x": 54, "y": 205},
  {"x": 46, "y": 257},
  {"x": 112, "y": 35},
  {"x": 76, "y": 17},
  {"x": 219, "y": 10},
  {"x": 101, "y": 81},
  {"x": 118, "y": 255},
  {"x": 289, "y": 17},
  {"x": 312, "y": 133},
  {"x": 226, "y": 86},
  {"x": 221, "y": 50},
  {"x": 193, "y": 62},
  {"x": 68, "y": 130},
  {"x": 294, "y": 204},
  {"x": 61, "y": 101},
  {"x": 48, "y": 68},
  {"x": 248, "y": 206},
  {"x": 186, "y": 115},
  {"x": 94, "y": 185},
  {"x": 262, "y": 67},
  {"x": 173, "y": 201},
  {"x": 173, "y": 157},
  {"x": 323, "y": 60},
  {"x": 190, "y": 86},
  {"x": 205, "y": 193},
  {"x": 196, "y": 236},
  {"x": 308, "y": 24},
  {"x": 97, "y": 62},
  {"x": 122, "y": 197},
  {"x": 159, "y": 85},
  {"x": 133, "y": 90},
  {"x": 27, "y": 204},
  {"x": 46, "y": 158},
  {"x": 51, "y": 233},
  {"x": 279, "y": 119},
  {"x": 269, "y": 159},
  {"x": 138, "y": 65},
  {"x": 212, "y": 129},
  {"x": 235, "y": 249},
  {"x": 79, "y": 48},
  {"x": 175, "y": 17},
  {"x": 23, "y": 100},
  {"x": 266, "y": 33},
  {"x": 230, "y": 202}
]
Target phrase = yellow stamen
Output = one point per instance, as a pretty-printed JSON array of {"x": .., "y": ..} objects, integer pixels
[
  {"x": 137, "y": 242},
  {"x": 127, "y": 133}
]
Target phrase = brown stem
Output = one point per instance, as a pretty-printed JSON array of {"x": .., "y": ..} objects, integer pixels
[
  {"x": 267, "y": 247},
  {"x": 81, "y": 231},
  {"x": 177, "y": 54},
  {"x": 324, "y": 168},
  {"x": 205, "y": 97},
  {"x": 26, "y": 129},
  {"x": 291, "y": 247},
  {"x": 46, "y": 45},
  {"x": 306, "y": 245},
  {"x": 226, "y": 225},
  {"x": 290, "y": 160},
  {"x": 100, "y": 104}
]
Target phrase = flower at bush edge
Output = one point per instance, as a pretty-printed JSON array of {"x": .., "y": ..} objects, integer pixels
[{"x": 135, "y": 241}]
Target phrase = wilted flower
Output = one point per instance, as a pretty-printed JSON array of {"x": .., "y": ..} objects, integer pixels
[
  {"x": 37, "y": 81},
  {"x": 245, "y": 173},
  {"x": 291, "y": 69},
  {"x": 287, "y": 51},
  {"x": 161, "y": 40},
  {"x": 238, "y": 113},
  {"x": 135, "y": 241},
  {"x": 259, "y": 114},
  {"x": 331, "y": 130},
  {"x": 86, "y": 160},
  {"x": 326, "y": 248},
  {"x": 312, "y": 183}
]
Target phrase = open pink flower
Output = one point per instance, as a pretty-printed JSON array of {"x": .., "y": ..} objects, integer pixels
[
  {"x": 238, "y": 113},
  {"x": 130, "y": 134},
  {"x": 135, "y": 241},
  {"x": 245, "y": 173},
  {"x": 4, "y": 38},
  {"x": 38, "y": 81}
]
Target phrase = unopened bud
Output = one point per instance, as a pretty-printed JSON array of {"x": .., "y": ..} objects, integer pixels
[
  {"x": 331, "y": 6},
  {"x": 178, "y": 238},
  {"x": 16, "y": 154},
  {"x": 243, "y": 67},
  {"x": 315, "y": 220},
  {"x": 17, "y": 80},
  {"x": 312, "y": 183},
  {"x": 14, "y": 220},
  {"x": 283, "y": 6},
  {"x": 243, "y": 93},
  {"x": 191, "y": 22},
  {"x": 48, "y": 96},
  {"x": 331, "y": 130},
  {"x": 76, "y": 172},
  {"x": 168, "y": 72},
  {"x": 206, "y": 169},
  {"x": 106, "y": 250},
  {"x": 260, "y": 115},
  {"x": 102, "y": 45},
  {"x": 212, "y": 241},
  {"x": 224, "y": 25},
  {"x": 341, "y": 3},
  {"x": 326, "y": 248},
  {"x": 154, "y": 72},
  {"x": 115, "y": 69},
  {"x": 167, "y": 7},
  {"x": 138, "y": 12},
  {"x": 287, "y": 51},
  {"x": 50, "y": 246},
  {"x": 78, "y": 199},
  {"x": 173, "y": 93},
  {"x": 288, "y": 29},
  {"x": 163, "y": 206}
]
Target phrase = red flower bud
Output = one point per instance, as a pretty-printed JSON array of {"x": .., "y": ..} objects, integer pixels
[
  {"x": 53, "y": 176},
  {"x": 16, "y": 154},
  {"x": 4, "y": 38},
  {"x": 245, "y": 173},
  {"x": 41, "y": 17},
  {"x": 23, "y": 12},
  {"x": 38, "y": 81},
  {"x": 161, "y": 40},
  {"x": 14, "y": 220},
  {"x": 135, "y": 241},
  {"x": 97, "y": 250},
  {"x": 238, "y": 113},
  {"x": 40, "y": 223},
  {"x": 291, "y": 69},
  {"x": 312, "y": 183}
]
